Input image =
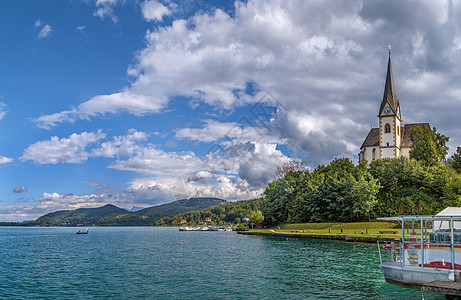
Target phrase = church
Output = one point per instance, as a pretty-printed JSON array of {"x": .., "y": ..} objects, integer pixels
[{"x": 392, "y": 138}]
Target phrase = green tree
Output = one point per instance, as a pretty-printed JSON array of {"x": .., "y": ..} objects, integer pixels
[
  {"x": 339, "y": 191},
  {"x": 409, "y": 186},
  {"x": 456, "y": 160},
  {"x": 428, "y": 146},
  {"x": 256, "y": 217}
]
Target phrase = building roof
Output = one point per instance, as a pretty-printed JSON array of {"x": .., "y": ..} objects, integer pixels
[
  {"x": 450, "y": 211},
  {"x": 390, "y": 96},
  {"x": 372, "y": 139},
  {"x": 406, "y": 133}
]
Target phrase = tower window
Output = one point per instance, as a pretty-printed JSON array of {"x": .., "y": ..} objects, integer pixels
[
  {"x": 387, "y": 144},
  {"x": 373, "y": 154},
  {"x": 387, "y": 128},
  {"x": 398, "y": 130}
]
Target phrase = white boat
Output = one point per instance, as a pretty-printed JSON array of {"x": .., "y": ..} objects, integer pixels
[{"x": 429, "y": 250}]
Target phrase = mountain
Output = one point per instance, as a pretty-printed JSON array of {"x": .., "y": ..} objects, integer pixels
[
  {"x": 111, "y": 215},
  {"x": 84, "y": 216},
  {"x": 147, "y": 216}
]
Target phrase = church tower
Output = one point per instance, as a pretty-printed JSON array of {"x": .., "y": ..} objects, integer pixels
[
  {"x": 391, "y": 139},
  {"x": 389, "y": 118}
]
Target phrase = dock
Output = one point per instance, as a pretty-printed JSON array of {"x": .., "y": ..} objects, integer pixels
[{"x": 450, "y": 289}]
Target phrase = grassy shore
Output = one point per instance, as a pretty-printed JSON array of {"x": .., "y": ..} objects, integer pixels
[{"x": 361, "y": 231}]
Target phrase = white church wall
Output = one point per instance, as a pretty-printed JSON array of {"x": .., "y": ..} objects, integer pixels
[
  {"x": 387, "y": 139},
  {"x": 387, "y": 152},
  {"x": 368, "y": 154}
]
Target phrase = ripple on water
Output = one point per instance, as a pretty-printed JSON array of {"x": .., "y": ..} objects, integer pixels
[{"x": 163, "y": 263}]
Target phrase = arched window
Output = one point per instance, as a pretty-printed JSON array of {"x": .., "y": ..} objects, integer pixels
[
  {"x": 373, "y": 154},
  {"x": 398, "y": 130},
  {"x": 387, "y": 128}
]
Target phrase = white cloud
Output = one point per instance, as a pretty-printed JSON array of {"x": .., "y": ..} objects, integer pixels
[
  {"x": 325, "y": 61},
  {"x": 254, "y": 163},
  {"x": 154, "y": 11},
  {"x": 5, "y": 160},
  {"x": 38, "y": 23},
  {"x": 214, "y": 130},
  {"x": 105, "y": 9},
  {"x": 66, "y": 150},
  {"x": 2, "y": 110},
  {"x": 80, "y": 28},
  {"x": 45, "y": 31},
  {"x": 120, "y": 145}
]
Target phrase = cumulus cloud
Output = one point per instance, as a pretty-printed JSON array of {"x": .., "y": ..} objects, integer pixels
[
  {"x": 66, "y": 150},
  {"x": 325, "y": 62},
  {"x": 5, "y": 160},
  {"x": 77, "y": 148},
  {"x": 19, "y": 189},
  {"x": 120, "y": 145},
  {"x": 154, "y": 11}
]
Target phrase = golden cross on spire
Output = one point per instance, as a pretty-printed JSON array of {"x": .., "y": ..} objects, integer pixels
[{"x": 389, "y": 47}]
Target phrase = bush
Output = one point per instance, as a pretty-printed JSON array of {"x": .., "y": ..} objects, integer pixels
[{"x": 241, "y": 227}]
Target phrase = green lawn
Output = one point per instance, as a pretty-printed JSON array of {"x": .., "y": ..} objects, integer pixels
[{"x": 348, "y": 229}]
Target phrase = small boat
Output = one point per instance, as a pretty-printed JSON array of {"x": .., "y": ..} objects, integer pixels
[
  {"x": 427, "y": 251},
  {"x": 82, "y": 232}
]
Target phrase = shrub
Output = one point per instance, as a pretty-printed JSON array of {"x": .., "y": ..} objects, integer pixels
[{"x": 241, "y": 227}]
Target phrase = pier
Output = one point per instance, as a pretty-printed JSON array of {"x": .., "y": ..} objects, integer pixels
[{"x": 450, "y": 289}]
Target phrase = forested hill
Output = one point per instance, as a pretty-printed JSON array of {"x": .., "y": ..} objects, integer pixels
[
  {"x": 110, "y": 215},
  {"x": 233, "y": 212},
  {"x": 84, "y": 216},
  {"x": 147, "y": 216}
]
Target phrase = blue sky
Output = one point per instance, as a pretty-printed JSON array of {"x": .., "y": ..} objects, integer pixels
[{"x": 138, "y": 103}]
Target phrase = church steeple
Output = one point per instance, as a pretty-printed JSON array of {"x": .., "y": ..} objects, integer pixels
[{"x": 389, "y": 99}]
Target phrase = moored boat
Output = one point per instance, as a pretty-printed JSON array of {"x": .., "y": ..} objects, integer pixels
[
  {"x": 82, "y": 232},
  {"x": 429, "y": 250}
]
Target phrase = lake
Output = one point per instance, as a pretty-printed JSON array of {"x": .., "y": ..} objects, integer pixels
[{"x": 164, "y": 263}]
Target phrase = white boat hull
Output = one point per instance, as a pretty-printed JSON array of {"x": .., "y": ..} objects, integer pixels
[{"x": 415, "y": 276}]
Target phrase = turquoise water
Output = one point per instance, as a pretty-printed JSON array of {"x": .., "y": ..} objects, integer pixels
[{"x": 163, "y": 263}]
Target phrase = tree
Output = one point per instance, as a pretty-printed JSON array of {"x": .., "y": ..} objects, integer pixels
[
  {"x": 411, "y": 187},
  {"x": 339, "y": 191},
  {"x": 456, "y": 160},
  {"x": 428, "y": 146},
  {"x": 256, "y": 217},
  {"x": 290, "y": 166}
]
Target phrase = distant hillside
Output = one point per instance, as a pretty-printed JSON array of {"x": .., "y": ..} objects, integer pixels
[
  {"x": 147, "y": 216},
  {"x": 110, "y": 215},
  {"x": 84, "y": 216},
  {"x": 233, "y": 212}
]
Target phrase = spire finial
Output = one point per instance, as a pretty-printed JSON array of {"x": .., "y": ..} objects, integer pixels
[{"x": 389, "y": 47}]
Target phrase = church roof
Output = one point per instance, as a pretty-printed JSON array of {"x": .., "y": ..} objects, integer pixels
[
  {"x": 390, "y": 96},
  {"x": 372, "y": 138},
  {"x": 406, "y": 133}
]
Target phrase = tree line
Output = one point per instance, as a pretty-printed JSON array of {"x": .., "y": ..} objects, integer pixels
[
  {"x": 234, "y": 213},
  {"x": 425, "y": 183}
]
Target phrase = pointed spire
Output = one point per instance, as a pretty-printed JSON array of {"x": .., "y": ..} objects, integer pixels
[{"x": 389, "y": 96}]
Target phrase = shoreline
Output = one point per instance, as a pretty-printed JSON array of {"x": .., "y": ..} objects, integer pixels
[{"x": 345, "y": 238}]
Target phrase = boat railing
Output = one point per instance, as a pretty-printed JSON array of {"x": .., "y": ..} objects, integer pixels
[{"x": 389, "y": 251}]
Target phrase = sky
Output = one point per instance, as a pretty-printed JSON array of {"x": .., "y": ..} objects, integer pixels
[{"x": 139, "y": 103}]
